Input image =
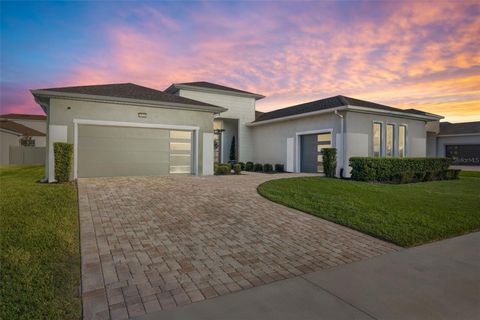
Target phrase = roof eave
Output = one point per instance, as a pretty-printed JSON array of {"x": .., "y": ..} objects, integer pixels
[
  {"x": 176, "y": 87},
  {"x": 149, "y": 103},
  {"x": 295, "y": 116},
  {"x": 403, "y": 114}
]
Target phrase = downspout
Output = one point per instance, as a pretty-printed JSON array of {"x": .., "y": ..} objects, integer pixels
[{"x": 343, "y": 143}]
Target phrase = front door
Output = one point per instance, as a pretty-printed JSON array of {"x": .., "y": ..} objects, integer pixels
[
  {"x": 217, "y": 147},
  {"x": 310, "y": 151}
]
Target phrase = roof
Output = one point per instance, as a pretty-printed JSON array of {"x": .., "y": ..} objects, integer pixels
[
  {"x": 212, "y": 86},
  {"x": 20, "y": 128},
  {"x": 125, "y": 91},
  {"x": 335, "y": 102},
  {"x": 20, "y": 116},
  {"x": 447, "y": 128}
]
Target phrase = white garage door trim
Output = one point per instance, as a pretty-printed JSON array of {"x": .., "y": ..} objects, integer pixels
[{"x": 76, "y": 122}]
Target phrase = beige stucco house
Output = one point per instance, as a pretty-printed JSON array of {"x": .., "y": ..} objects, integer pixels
[
  {"x": 127, "y": 129},
  {"x": 22, "y": 129}
]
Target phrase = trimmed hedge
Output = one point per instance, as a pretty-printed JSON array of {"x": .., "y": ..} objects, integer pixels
[
  {"x": 329, "y": 158},
  {"x": 249, "y": 166},
  {"x": 267, "y": 167},
  {"x": 401, "y": 170},
  {"x": 63, "y": 153},
  {"x": 258, "y": 167},
  {"x": 222, "y": 169},
  {"x": 242, "y": 165},
  {"x": 237, "y": 168},
  {"x": 279, "y": 168}
]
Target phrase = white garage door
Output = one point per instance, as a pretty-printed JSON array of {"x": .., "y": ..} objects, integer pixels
[{"x": 127, "y": 151}]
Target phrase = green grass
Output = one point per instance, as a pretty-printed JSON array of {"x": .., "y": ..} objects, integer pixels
[
  {"x": 405, "y": 214},
  {"x": 39, "y": 247},
  {"x": 472, "y": 174}
]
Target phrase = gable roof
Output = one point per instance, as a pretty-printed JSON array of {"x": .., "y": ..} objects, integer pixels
[
  {"x": 130, "y": 91},
  {"x": 336, "y": 102},
  {"x": 20, "y": 128},
  {"x": 211, "y": 86},
  {"x": 447, "y": 128},
  {"x": 21, "y": 116}
]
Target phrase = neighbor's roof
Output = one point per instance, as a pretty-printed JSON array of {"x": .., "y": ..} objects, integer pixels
[
  {"x": 447, "y": 128},
  {"x": 126, "y": 91},
  {"x": 20, "y": 128},
  {"x": 334, "y": 102},
  {"x": 21, "y": 116},
  {"x": 212, "y": 86}
]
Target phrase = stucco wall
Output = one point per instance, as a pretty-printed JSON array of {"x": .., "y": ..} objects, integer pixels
[
  {"x": 444, "y": 141},
  {"x": 59, "y": 114},
  {"x": 241, "y": 108},
  {"x": 270, "y": 140},
  {"x": 359, "y": 128}
]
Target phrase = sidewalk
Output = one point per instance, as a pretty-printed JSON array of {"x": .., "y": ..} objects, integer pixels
[{"x": 435, "y": 281}]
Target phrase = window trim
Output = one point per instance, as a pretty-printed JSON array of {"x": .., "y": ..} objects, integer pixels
[{"x": 382, "y": 139}]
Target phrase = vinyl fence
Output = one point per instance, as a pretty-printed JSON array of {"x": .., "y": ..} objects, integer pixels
[{"x": 27, "y": 155}]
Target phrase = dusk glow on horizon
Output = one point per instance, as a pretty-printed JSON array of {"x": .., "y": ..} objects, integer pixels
[{"x": 409, "y": 54}]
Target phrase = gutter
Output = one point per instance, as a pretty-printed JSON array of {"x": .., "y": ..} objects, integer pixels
[
  {"x": 116, "y": 100},
  {"x": 342, "y": 120}
]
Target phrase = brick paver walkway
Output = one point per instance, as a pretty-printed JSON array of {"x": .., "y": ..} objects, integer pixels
[{"x": 153, "y": 243}]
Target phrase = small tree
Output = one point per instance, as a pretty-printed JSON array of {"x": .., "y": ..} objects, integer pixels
[
  {"x": 329, "y": 156},
  {"x": 233, "y": 156}
]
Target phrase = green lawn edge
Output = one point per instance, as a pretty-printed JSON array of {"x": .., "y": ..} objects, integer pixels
[
  {"x": 425, "y": 212},
  {"x": 39, "y": 241}
]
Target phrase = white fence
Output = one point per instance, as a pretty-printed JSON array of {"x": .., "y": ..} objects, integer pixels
[{"x": 27, "y": 155}]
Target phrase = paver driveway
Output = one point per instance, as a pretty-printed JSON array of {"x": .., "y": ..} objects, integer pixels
[{"x": 152, "y": 243}]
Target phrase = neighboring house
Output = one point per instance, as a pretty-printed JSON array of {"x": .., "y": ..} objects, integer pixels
[
  {"x": 461, "y": 141},
  {"x": 21, "y": 130},
  {"x": 127, "y": 129}
]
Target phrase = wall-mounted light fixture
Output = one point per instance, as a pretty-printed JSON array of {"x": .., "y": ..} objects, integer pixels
[{"x": 142, "y": 114}]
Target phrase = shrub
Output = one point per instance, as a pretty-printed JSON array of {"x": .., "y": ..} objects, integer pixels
[
  {"x": 399, "y": 169},
  {"x": 242, "y": 165},
  {"x": 279, "y": 168},
  {"x": 237, "y": 168},
  {"x": 223, "y": 169},
  {"x": 63, "y": 153},
  {"x": 257, "y": 167},
  {"x": 329, "y": 158},
  {"x": 267, "y": 167},
  {"x": 249, "y": 166},
  {"x": 452, "y": 174}
]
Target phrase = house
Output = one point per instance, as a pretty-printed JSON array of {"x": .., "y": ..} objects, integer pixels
[
  {"x": 18, "y": 130},
  {"x": 127, "y": 129},
  {"x": 461, "y": 141}
]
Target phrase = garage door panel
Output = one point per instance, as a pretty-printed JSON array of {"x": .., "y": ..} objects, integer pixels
[{"x": 125, "y": 151}]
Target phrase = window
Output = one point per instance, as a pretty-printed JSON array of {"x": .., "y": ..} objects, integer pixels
[
  {"x": 377, "y": 139},
  {"x": 180, "y": 151},
  {"x": 389, "y": 146},
  {"x": 324, "y": 140},
  {"x": 402, "y": 138}
]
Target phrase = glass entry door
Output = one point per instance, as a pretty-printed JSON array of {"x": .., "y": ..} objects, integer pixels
[
  {"x": 311, "y": 146},
  {"x": 217, "y": 147}
]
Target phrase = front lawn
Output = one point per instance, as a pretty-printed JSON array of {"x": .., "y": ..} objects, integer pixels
[
  {"x": 473, "y": 174},
  {"x": 405, "y": 214},
  {"x": 39, "y": 248}
]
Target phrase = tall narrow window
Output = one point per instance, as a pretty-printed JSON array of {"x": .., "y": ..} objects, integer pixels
[
  {"x": 389, "y": 142},
  {"x": 377, "y": 139},
  {"x": 402, "y": 138}
]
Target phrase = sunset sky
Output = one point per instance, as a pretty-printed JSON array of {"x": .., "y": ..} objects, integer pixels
[{"x": 423, "y": 55}]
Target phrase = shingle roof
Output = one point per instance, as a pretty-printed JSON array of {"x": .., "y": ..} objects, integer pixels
[
  {"x": 20, "y": 128},
  {"x": 329, "y": 103},
  {"x": 209, "y": 85},
  {"x": 128, "y": 91},
  {"x": 459, "y": 128},
  {"x": 20, "y": 116}
]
